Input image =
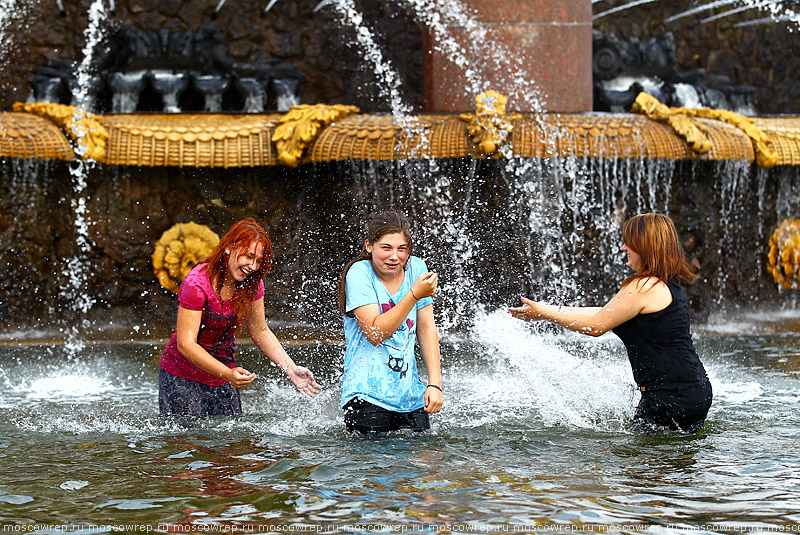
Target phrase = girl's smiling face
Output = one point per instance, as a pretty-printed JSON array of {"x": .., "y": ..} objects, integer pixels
[
  {"x": 244, "y": 261},
  {"x": 389, "y": 254}
]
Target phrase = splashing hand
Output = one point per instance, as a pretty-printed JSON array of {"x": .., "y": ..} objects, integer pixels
[
  {"x": 530, "y": 311},
  {"x": 303, "y": 380},
  {"x": 240, "y": 378}
]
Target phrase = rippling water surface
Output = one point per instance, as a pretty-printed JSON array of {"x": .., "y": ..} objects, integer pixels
[{"x": 534, "y": 432}]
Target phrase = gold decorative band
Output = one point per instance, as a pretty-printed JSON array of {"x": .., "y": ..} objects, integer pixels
[{"x": 213, "y": 140}]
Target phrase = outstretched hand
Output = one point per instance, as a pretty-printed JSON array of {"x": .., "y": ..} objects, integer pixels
[
  {"x": 303, "y": 380},
  {"x": 530, "y": 310}
]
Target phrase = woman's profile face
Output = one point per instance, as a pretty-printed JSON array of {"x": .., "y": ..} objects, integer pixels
[{"x": 634, "y": 260}]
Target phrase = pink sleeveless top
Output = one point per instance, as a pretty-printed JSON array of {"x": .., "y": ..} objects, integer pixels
[{"x": 217, "y": 333}]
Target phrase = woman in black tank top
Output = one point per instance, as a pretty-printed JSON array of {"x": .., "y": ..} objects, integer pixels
[{"x": 651, "y": 316}]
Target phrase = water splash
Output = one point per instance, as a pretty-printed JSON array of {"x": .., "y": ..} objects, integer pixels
[
  {"x": 9, "y": 12},
  {"x": 441, "y": 202},
  {"x": 78, "y": 268},
  {"x": 448, "y": 208},
  {"x": 778, "y": 12},
  {"x": 68, "y": 386},
  {"x": 566, "y": 207},
  {"x": 567, "y": 380},
  {"x": 485, "y": 56},
  {"x": 449, "y": 212},
  {"x": 387, "y": 77}
]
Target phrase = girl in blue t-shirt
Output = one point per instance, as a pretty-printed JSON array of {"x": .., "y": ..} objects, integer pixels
[{"x": 385, "y": 298}]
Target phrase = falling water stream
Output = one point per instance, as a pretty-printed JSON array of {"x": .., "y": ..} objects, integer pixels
[
  {"x": 484, "y": 57},
  {"x": 776, "y": 10},
  {"x": 78, "y": 269},
  {"x": 9, "y": 11}
]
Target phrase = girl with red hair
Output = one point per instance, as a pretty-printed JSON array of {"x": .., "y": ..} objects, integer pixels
[
  {"x": 651, "y": 315},
  {"x": 198, "y": 375}
]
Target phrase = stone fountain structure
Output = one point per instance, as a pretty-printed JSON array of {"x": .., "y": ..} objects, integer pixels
[{"x": 312, "y": 173}]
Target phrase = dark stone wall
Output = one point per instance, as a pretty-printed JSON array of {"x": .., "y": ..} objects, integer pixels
[
  {"x": 317, "y": 43},
  {"x": 765, "y": 56},
  {"x": 468, "y": 226}
]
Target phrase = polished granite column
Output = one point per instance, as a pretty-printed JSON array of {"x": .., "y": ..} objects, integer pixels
[{"x": 551, "y": 38}]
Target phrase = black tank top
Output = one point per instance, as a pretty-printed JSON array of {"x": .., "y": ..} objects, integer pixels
[{"x": 660, "y": 346}]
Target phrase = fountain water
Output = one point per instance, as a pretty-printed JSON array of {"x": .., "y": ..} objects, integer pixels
[
  {"x": 556, "y": 200},
  {"x": 700, "y": 9},
  {"x": 78, "y": 269},
  {"x": 534, "y": 419}
]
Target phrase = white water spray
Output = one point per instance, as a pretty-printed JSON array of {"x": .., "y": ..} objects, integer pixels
[
  {"x": 484, "y": 59},
  {"x": 77, "y": 269},
  {"x": 387, "y": 76},
  {"x": 566, "y": 379},
  {"x": 9, "y": 11}
]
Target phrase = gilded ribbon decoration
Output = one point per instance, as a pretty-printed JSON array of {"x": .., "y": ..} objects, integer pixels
[
  {"x": 81, "y": 126},
  {"x": 680, "y": 119},
  {"x": 299, "y": 127}
]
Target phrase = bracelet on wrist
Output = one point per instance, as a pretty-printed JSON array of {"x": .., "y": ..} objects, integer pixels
[
  {"x": 412, "y": 294},
  {"x": 437, "y": 387}
]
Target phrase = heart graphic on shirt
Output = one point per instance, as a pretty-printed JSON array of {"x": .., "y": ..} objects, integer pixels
[{"x": 410, "y": 323}]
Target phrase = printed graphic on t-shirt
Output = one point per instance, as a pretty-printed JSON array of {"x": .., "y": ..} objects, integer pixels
[{"x": 396, "y": 361}]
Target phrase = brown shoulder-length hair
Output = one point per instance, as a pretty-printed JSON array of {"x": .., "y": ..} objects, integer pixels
[
  {"x": 239, "y": 239},
  {"x": 381, "y": 224},
  {"x": 655, "y": 239}
]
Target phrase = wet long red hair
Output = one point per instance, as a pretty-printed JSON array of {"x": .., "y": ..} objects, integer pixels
[
  {"x": 238, "y": 240},
  {"x": 654, "y": 238}
]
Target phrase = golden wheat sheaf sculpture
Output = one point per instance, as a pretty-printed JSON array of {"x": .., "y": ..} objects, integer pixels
[
  {"x": 179, "y": 249},
  {"x": 82, "y": 127},
  {"x": 783, "y": 259},
  {"x": 682, "y": 122},
  {"x": 301, "y": 125}
]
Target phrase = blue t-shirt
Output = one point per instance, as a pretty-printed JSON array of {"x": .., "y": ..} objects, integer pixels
[{"x": 386, "y": 374}]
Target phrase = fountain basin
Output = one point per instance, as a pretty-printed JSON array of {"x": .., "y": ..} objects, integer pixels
[{"x": 103, "y": 456}]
